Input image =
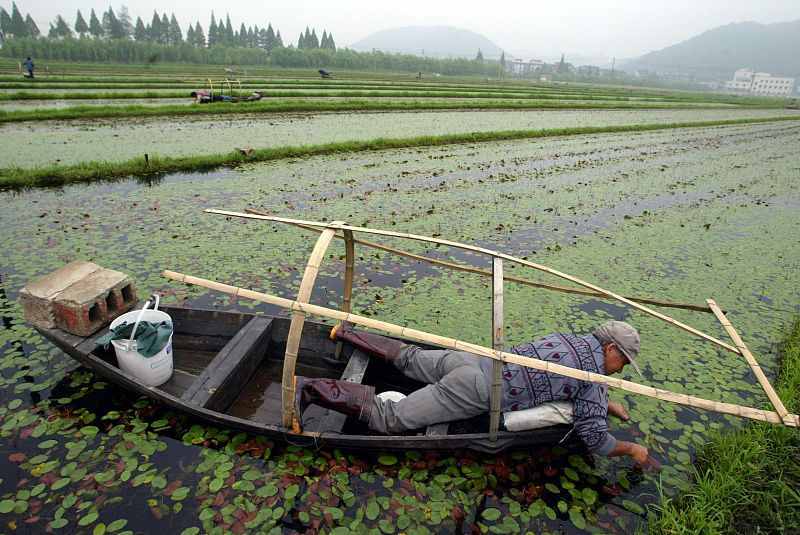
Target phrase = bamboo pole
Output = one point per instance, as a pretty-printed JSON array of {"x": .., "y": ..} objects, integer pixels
[
  {"x": 458, "y": 345},
  {"x": 296, "y": 326},
  {"x": 510, "y": 278},
  {"x": 349, "y": 268},
  {"x": 489, "y": 252},
  {"x": 751, "y": 360},
  {"x": 497, "y": 344}
]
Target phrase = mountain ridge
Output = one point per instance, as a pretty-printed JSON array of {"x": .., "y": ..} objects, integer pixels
[{"x": 434, "y": 41}]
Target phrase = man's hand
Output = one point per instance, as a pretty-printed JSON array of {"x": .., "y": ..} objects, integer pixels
[
  {"x": 618, "y": 410},
  {"x": 638, "y": 453}
]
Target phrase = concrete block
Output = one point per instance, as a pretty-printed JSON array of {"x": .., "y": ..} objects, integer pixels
[{"x": 79, "y": 298}]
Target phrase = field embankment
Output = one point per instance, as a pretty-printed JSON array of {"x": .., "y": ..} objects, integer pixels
[{"x": 746, "y": 481}]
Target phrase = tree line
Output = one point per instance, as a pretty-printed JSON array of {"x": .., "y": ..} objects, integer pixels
[
  {"x": 113, "y": 37},
  {"x": 160, "y": 29}
]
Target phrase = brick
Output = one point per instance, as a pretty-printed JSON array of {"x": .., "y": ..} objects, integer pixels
[{"x": 79, "y": 298}]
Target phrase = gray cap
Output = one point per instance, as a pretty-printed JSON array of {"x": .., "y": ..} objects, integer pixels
[{"x": 625, "y": 336}]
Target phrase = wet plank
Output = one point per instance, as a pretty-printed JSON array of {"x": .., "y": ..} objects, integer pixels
[{"x": 228, "y": 373}]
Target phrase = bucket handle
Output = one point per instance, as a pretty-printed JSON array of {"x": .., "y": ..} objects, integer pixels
[{"x": 141, "y": 313}]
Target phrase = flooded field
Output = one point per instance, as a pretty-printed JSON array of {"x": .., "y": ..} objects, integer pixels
[
  {"x": 681, "y": 215},
  {"x": 66, "y": 142}
]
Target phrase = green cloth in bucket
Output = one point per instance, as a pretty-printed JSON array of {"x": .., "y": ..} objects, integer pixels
[{"x": 150, "y": 338}]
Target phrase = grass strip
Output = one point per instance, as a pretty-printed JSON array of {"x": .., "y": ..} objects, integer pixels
[
  {"x": 299, "y": 106},
  {"x": 58, "y": 175},
  {"x": 747, "y": 481}
]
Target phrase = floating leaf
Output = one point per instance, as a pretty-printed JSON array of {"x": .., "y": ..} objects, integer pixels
[
  {"x": 373, "y": 510},
  {"x": 6, "y": 506},
  {"x": 117, "y": 525},
  {"x": 191, "y": 531},
  {"x": 387, "y": 460},
  {"x": 576, "y": 517},
  {"x": 87, "y": 519},
  {"x": 633, "y": 507},
  {"x": 47, "y": 444},
  {"x": 491, "y": 514},
  {"x": 291, "y": 491},
  {"x": 99, "y": 529}
]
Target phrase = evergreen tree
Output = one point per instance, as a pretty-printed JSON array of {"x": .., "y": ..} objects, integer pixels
[
  {"x": 5, "y": 22},
  {"x": 126, "y": 26},
  {"x": 112, "y": 27},
  {"x": 33, "y": 29},
  {"x": 140, "y": 32},
  {"x": 301, "y": 42},
  {"x": 228, "y": 37},
  {"x": 18, "y": 27},
  {"x": 155, "y": 28},
  {"x": 199, "y": 36},
  {"x": 165, "y": 37},
  {"x": 562, "y": 66},
  {"x": 270, "y": 40},
  {"x": 95, "y": 28},
  {"x": 212, "y": 31},
  {"x": 314, "y": 40},
  {"x": 190, "y": 35},
  {"x": 81, "y": 28},
  {"x": 242, "y": 41},
  {"x": 60, "y": 30},
  {"x": 254, "y": 34},
  {"x": 331, "y": 42},
  {"x": 502, "y": 64},
  {"x": 479, "y": 57},
  {"x": 278, "y": 40},
  {"x": 175, "y": 32}
]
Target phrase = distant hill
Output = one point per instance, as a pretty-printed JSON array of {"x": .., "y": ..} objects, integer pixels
[
  {"x": 435, "y": 41},
  {"x": 715, "y": 54}
]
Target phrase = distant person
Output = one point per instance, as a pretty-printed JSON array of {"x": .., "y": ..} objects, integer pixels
[{"x": 28, "y": 64}]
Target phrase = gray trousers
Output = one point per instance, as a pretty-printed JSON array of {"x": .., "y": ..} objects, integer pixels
[{"x": 457, "y": 389}]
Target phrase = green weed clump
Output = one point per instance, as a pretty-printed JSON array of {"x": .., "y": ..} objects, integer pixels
[
  {"x": 58, "y": 175},
  {"x": 746, "y": 481}
]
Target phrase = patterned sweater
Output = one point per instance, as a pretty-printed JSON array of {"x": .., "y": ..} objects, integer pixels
[{"x": 524, "y": 388}]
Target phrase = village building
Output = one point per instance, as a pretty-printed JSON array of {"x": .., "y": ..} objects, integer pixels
[{"x": 760, "y": 83}]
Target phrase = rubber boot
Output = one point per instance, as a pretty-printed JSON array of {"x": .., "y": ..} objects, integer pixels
[
  {"x": 384, "y": 347},
  {"x": 352, "y": 399}
]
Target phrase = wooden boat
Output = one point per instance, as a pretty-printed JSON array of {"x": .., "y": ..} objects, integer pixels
[
  {"x": 227, "y": 371},
  {"x": 238, "y": 370}
]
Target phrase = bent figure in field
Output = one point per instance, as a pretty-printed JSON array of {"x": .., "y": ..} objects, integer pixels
[
  {"x": 459, "y": 384},
  {"x": 28, "y": 64},
  {"x": 204, "y": 96}
]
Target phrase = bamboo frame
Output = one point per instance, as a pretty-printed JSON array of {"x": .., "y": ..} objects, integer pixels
[
  {"x": 791, "y": 420},
  {"x": 296, "y": 326},
  {"x": 494, "y": 254},
  {"x": 751, "y": 360},
  {"x": 510, "y": 278},
  {"x": 497, "y": 344},
  {"x": 349, "y": 269}
]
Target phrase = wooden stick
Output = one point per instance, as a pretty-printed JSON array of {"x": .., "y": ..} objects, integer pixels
[
  {"x": 751, "y": 360},
  {"x": 510, "y": 278},
  {"x": 451, "y": 343},
  {"x": 489, "y": 252},
  {"x": 497, "y": 344},
  {"x": 349, "y": 268},
  {"x": 296, "y": 326}
]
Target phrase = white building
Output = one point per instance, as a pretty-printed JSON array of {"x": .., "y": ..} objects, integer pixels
[
  {"x": 521, "y": 67},
  {"x": 760, "y": 83}
]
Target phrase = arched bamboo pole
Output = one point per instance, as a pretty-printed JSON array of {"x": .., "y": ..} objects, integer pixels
[
  {"x": 296, "y": 326},
  {"x": 510, "y": 278},
  {"x": 491, "y": 253},
  {"x": 792, "y": 420}
]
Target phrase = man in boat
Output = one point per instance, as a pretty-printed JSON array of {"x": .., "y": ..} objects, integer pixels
[{"x": 459, "y": 384}]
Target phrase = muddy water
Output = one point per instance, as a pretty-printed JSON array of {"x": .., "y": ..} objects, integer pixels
[
  {"x": 675, "y": 214},
  {"x": 29, "y": 144}
]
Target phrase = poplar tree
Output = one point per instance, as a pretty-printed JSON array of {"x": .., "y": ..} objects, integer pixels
[
  {"x": 33, "y": 29},
  {"x": 479, "y": 57},
  {"x": 190, "y": 35},
  {"x": 314, "y": 40},
  {"x": 140, "y": 32},
  {"x": 81, "y": 28},
  {"x": 95, "y": 28},
  {"x": 60, "y": 29},
  {"x": 125, "y": 24},
  {"x": 278, "y": 40}
]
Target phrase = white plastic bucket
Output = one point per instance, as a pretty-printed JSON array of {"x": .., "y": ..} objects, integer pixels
[{"x": 151, "y": 371}]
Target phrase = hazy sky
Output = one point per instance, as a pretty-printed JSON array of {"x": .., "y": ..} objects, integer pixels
[{"x": 591, "y": 28}]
